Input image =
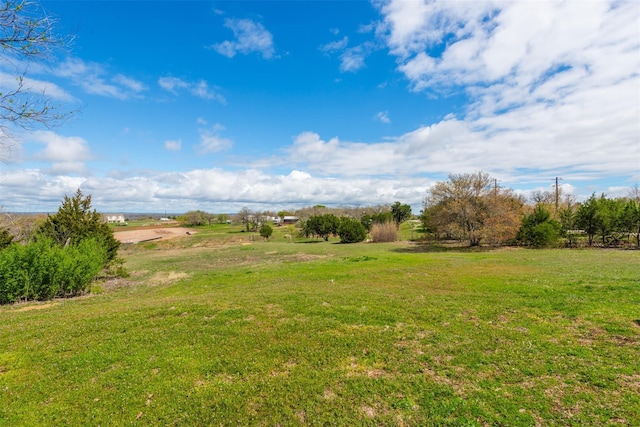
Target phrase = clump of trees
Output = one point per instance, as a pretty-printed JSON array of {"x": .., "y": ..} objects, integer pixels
[
  {"x": 197, "y": 218},
  {"x": 323, "y": 226},
  {"x": 612, "y": 220},
  {"x": 62, "y": 257},
  {"x": 472, "y": 207},
  {"x": 350, "y": 230}
]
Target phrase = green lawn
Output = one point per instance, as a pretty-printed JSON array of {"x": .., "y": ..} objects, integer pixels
[{"x": 217, "y": 330}]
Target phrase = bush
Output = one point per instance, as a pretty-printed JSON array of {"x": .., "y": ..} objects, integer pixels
[
  {"x": 385, "y": 232},
  {"x": 351, "y": 231},
  {"x": 321, "y": 225},
  {"x": 5, "y": 238},
  {"x": 43, "y": 270},
  {"x": 539, "y": 229},
  {"x": 266, "y": 231}
]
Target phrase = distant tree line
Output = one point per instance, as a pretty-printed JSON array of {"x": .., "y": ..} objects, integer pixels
[{"x": 469, "y": 208}]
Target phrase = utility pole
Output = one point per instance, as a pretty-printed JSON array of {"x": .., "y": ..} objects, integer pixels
[{"x": 557, "y": 195}]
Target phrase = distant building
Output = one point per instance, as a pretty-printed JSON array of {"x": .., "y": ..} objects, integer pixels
[
  {"x": 290, "y": 219},
  {"x": 115, "y": 219}
]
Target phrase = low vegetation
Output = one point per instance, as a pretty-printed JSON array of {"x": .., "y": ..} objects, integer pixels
[
  {"x": 217, "y": 329},
  {"x": 62, "y": 256},
  {"x": 384, "y": 232}
]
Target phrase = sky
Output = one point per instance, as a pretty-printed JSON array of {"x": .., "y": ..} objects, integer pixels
[{"x": 277, "y": 105}]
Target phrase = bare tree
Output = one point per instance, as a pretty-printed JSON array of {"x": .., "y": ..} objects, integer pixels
[
  {"x": 467, "y": 206},
  {"x": 27, "y": 36}
]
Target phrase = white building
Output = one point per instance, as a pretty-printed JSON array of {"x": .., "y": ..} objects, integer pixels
[{"x": 115, "y": 219}]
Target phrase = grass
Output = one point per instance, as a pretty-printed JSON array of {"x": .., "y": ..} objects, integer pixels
[{"x": 218, "y": 330}]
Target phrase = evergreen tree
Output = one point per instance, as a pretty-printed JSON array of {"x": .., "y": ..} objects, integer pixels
[
  {"x": 266, "y": 230},
  {"x": 351, "y": 230},
  {"x": 539, "y": 229},
  {"x": 75, "y": 222}
]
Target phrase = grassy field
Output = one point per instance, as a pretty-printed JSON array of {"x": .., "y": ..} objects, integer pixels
[{"x": 217, "y": 329}]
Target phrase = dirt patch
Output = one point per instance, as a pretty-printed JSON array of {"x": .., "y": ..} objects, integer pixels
[
  {"x": 37, "y": 307},
  {"x": 152, "y": 233},
  {"x": 166, "y": 277}
]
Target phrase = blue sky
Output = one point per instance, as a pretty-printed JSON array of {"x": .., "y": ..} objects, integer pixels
[{"x": 218, "y": 105}]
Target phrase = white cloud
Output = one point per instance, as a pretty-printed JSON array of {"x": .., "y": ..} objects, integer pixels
[
  {"x": 129, "y": 83},
  {"x": 352, "y": 59},
  {"x": 214, "y": 190},
  {"x": 335, "y": 45},
  {"x": 249, "y": 36},
  {"x": 211, "y": 141},
  {"x": 60, "y": 148},
  {"x": 553, "y": 85},
  {"x": 383, "y": 116},
  {"x": 172, "y": 84},
  {"x": 173, "y": 145},
  {"x": 94, "y": 79},
  {"x": 8, "y": 82},
  {"x": 200, "y": 88},
  {"x": 66, "y": 154}
]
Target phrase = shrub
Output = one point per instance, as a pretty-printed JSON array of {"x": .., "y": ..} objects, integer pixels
[
  {"x": 539, "y": 229},
  {"x": 385, "y": 232},
  {"x": 5, "y": 238},
  {"x": 266, "y": 231},
  {"x": 43, "y": 270},
  {"x": 351, "y": 231}
]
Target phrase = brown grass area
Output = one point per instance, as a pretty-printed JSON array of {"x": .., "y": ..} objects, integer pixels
[{"x": 37, "y": 307}]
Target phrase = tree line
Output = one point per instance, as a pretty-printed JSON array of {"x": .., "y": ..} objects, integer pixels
[{"x": 472, "y": 207}]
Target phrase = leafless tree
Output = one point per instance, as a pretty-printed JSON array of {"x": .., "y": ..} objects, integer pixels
[{"x": 27, "y": 37}]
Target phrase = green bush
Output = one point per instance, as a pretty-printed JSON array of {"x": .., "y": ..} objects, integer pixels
[
  {"x": 351, "y": 230},
  {"x": 321, "y": 225},
  {"x": 43, "y": 270},
  {"x": 5, "y": 238},
  {"x": 539, "y": 229},
  {"x": 266, "y": 231}
]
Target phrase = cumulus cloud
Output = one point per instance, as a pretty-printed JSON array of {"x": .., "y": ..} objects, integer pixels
[
  {"x": 249, "y": 36},
  {"x": 214, "y": 190},
  {"x": 66, "y": 154},
  {"x": 553, "y": 85}
]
